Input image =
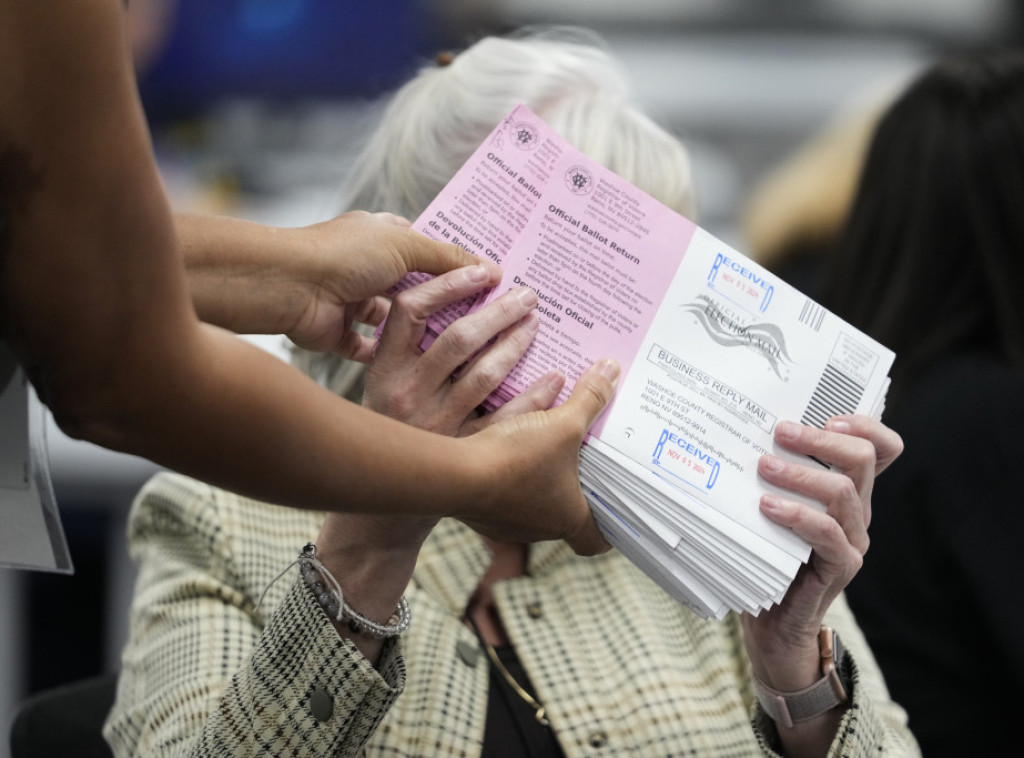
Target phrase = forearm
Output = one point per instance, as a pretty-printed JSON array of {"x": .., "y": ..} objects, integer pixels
[
  {"x": 261, "y": 428},
  {"x": 97, "y": 307},
  {"x": 247, "y": 277}
]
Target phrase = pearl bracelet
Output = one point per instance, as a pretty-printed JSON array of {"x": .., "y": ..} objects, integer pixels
[{"x": 328, "y": 593}]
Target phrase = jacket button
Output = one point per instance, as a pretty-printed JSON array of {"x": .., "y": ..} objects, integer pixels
[
  {"x": 467, "y": 652},
  {"x": 534, "y": 610},
  {"x": 598, "y": 739},
  {"x": 321, "y": 705}
]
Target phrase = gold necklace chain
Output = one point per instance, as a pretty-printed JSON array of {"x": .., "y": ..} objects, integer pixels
[{"x": 540, "y": 713}]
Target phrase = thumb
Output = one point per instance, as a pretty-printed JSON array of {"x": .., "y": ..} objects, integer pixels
[
  {"x": 588, "y": 540},
  {"x": 420, "y": 253},
  {"x": 593, "y": 391}
]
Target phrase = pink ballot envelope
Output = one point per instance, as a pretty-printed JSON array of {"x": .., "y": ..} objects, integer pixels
[
  {"x": 599, "y": 252},
  {"x": 714, "y": 349}
]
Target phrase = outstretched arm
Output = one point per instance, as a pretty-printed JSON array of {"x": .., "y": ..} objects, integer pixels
[
  {"x": 176, "y": 526},
  {"x": 96, "y": 303},
  {"x": 310, "y": 283}
]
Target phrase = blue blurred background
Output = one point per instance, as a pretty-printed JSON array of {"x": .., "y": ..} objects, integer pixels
[
  {"x": 256, "y": 107},
  {"x": 282, "y": 49}
]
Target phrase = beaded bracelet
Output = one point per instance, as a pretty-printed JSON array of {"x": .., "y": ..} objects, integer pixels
[{"x": 328, "y": 593}]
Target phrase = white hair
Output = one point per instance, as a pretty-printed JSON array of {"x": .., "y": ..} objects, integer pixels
[
  {"x": 566, "y": 76},
  {"x": 434, "y": 122}
]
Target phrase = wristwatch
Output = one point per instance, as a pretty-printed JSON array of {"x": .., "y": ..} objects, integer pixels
[{"x": 788, "y": 708}]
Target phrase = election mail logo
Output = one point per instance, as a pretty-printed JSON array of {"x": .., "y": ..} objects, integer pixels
[{"x": 765, "y": 339}]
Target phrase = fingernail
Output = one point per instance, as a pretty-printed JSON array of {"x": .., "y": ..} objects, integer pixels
[
  {"x": 478, "y": 273},
  {"x": 772, "y": 504},
  {"x": 556, "y": 381},
  {"x": 835, "y": 425},
  {"x": 609, "y": 369},
  {"x": 531, "y": 321},
  {"x": 787, "y": 430},
  {"x": 773, "y": 464},
  {"x": 527, "y": 297}
]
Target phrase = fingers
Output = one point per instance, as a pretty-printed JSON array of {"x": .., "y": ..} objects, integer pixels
[
  {"x": 853, "y": 456},
  {"x": 490, "y": 365},
  {"x": 421, "y": 253},
  {"x": 846, "y": 490},
  {"x": 491, "y": 339},
  {"x": 355, "y": 347},
  {"x": 857, "y": 448},
  {"x": 590, "y": 396},
  {"x": 414, "y": 385},
  {"x": 888, "y": 444},
  {"x": 825, "y": 534},
  {"x": 412, "y": 309},
  {"x": 845, "y": 509},
  {"x": 451, "y": 287},
  {"x": 372, "y": 311},
  {"x": 540, "y": 452},
  {"x": 368, "y": 253},
  {"x": 462, "y": 339},
  {"x": 537, "y": 397},
  {"x": 593, "y": 391}
]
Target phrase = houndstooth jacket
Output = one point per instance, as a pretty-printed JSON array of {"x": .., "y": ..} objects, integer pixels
[{"x": 621, "y": 668}]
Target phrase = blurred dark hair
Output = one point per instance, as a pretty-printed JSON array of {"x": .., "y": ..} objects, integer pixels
[{"x": 932, "y": 257}]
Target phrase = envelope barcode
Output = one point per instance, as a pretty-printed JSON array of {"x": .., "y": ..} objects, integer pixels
[
  {"x": 812, "y": 314},
  {"x": 836, "y": 393}
]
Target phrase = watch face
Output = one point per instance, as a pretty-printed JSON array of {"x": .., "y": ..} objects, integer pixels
[
  {"x": 834, "y": 674},
  {"x": 837, "y": 648}
]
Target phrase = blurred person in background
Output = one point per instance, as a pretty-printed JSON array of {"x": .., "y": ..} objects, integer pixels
[
  {"x": 931, "y": 264},
  {"x": 117, "y": 311},
  {"x": 513, "y": 649},
  {"x": 792, "y": 219}
]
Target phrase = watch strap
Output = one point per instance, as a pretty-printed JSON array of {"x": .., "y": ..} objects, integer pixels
[{"x": 789, "y": 708}]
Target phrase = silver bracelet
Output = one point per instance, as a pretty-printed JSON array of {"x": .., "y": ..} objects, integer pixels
[{"x": 328, "y": 593}]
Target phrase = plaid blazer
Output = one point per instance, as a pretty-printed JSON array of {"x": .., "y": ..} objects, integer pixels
[{"x": 621, "y": 667}]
